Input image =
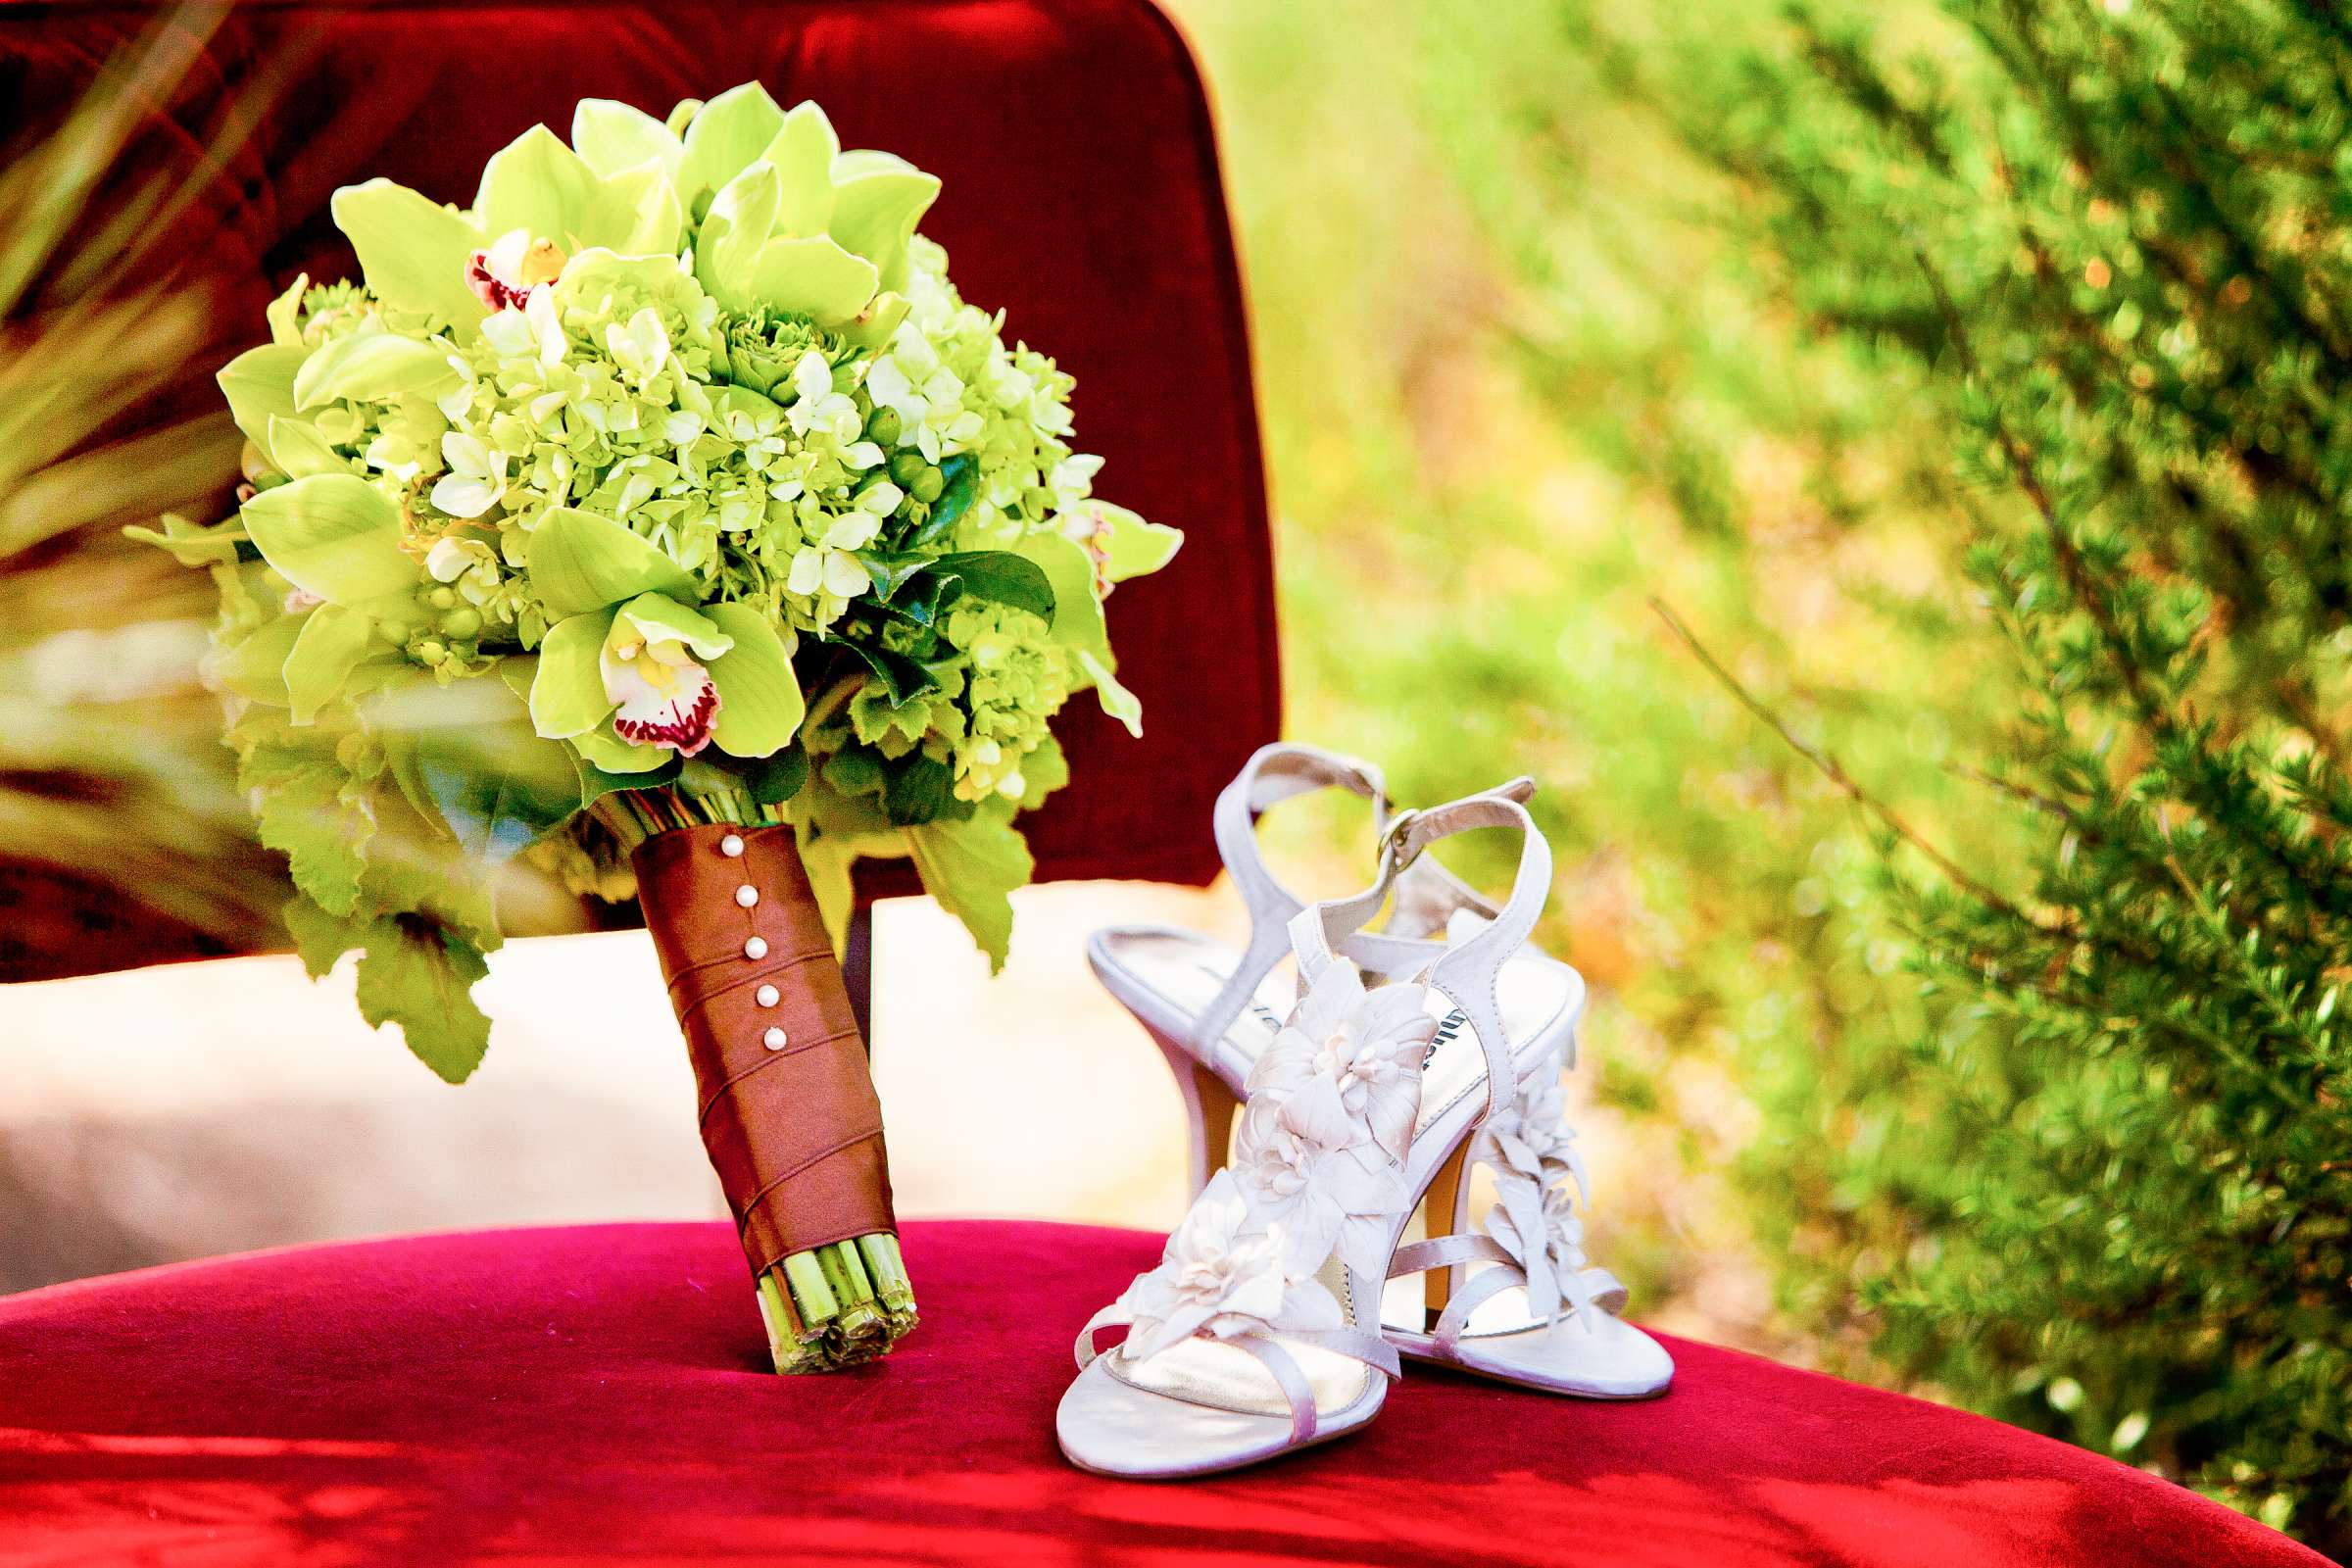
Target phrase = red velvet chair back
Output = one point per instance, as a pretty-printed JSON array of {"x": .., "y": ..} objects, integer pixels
[{"x": 1082, "y": 195}]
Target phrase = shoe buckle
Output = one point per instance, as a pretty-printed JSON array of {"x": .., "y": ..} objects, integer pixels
[{"x": 1393, "y": 841}]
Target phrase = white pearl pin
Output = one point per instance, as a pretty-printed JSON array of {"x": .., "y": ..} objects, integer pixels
[
  {"x": 746, "y": 895},
  {"x": 774, "y": 1038},
  {"x": 756, "y": 948},
  {"x": 767, "y": 996},
  {"x": 731, "y": 845}
]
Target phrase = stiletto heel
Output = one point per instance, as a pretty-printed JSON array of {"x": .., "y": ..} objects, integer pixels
[
  {"x": 1442, "y": 1211},
  {"x": 1209, "y": 1107}
]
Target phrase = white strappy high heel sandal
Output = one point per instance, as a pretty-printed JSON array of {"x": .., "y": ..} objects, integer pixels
[
  {"x": 1212, "y": 1012},
  {"x": 1258, "y": 1332}
]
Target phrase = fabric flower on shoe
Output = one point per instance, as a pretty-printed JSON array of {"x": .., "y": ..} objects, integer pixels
[
  {"x": 1331, "y": 1111},
  {"x": 1369, "y": 1044},
  {"x": 1222, "y": 1276},
  {"x": 1532, "y": 1140},
  {"x": 1542, "y": 1231}
]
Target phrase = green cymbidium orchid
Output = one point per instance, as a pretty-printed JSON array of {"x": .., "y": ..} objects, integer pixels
[
  {"x": 337, "y": 539},
  {"x": 539, "y": 204},
  {"x": 788, "y": 219},
  {"x": 631, "y": 671}
]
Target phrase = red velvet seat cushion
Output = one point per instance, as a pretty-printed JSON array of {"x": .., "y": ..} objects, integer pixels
[{"x": 595, "y": 1394}]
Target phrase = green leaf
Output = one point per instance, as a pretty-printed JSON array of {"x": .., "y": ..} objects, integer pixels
[
  {"x": 319, "y": 938},
  {"x": 420, "y": 976},
  {"x": 259, "y": 383},
  {"x": 900, "y": 675},
  {"x": 1002, "y": 576},
  {"x": 1044, "y": 771},
  {"x": 813, "y": 277},
  {"x": 776, "y": 779},
  {"x": 413, "y": 251},
  {"x": 596, "y": 783},
  {"x": 611, "y": 136},
  {"x": 580, "y": 561},
  {"x": 877, "y": 203},
  {"x": 971, "y": 868},
  {"x": 500, "y": 789},
  {"x": 256, "y": 667},
  {"x": 854, "y": 774},
  {"x": 759, "y": 702},
  {"x": 827, "y": 858},
  {"x": 962, "y": 476},
  {"x": 322, "y": 836},
  {"x": 1134, "y": 547},
  {"x": 331, "y": 644},
  {"x": 892, "y": 728},
  {"x": 374, "y": 367},
  {"x": 568, "y": 688},
  {"x": 724, "y": 137},
  {"x": 334, "y": 535},
  {"x": 892, "y": 573},
  {"x": 916, "y": 790}
]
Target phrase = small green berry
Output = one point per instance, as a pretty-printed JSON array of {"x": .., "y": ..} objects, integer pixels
[
  {"x": 443, "y": 597},
  {"x": 928, "y": 484},
  {"x": 430, "y": 651},
  {"x": 462, "y": 622},
  {"x": 906, "y": 467},
  {"x": 882, "y": 427}
]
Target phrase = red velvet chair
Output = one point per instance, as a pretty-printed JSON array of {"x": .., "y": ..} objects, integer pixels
[
  {"x": 597, "y": 1394},
  {"x": 1081, "y": 194}
]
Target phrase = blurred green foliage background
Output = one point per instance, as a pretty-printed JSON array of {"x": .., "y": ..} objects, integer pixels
[{"x": 1964, "y": 889}]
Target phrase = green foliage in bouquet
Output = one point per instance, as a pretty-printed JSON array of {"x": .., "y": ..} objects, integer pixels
[
  {"x": 673, "y": 464},
  {"x": 2096, "y": 260}
]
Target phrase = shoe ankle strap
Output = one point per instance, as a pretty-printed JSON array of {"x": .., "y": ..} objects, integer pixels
[
  {"x": 1469, "y": 971},
  {"x": 1427, "y": 895}
]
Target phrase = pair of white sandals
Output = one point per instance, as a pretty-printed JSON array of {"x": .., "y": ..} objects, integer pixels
[{"x": 1403, "y": 1054}]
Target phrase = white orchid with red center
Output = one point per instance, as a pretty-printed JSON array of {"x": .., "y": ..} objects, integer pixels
[
  {"x": 1222, "y": 1276},
  {"x": 1330, "y": 1115}
]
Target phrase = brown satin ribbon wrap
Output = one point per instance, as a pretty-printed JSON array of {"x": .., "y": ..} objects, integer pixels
[{"x": 795, "y": 1132}]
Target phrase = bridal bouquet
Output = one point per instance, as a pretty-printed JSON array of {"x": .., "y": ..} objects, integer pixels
[{"x": 667, "y": 518}]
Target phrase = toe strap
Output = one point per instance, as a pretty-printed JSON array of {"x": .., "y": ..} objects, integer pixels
[
  {"x": 1112, "y": 1316},
  {"x": 1295, "y": 1387}
]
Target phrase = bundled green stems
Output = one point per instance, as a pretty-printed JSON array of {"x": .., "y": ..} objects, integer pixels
[{"x": 830, "y": 1306}]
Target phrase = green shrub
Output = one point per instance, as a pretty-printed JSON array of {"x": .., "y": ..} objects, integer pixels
[{"x": 2098, "y": 259}]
